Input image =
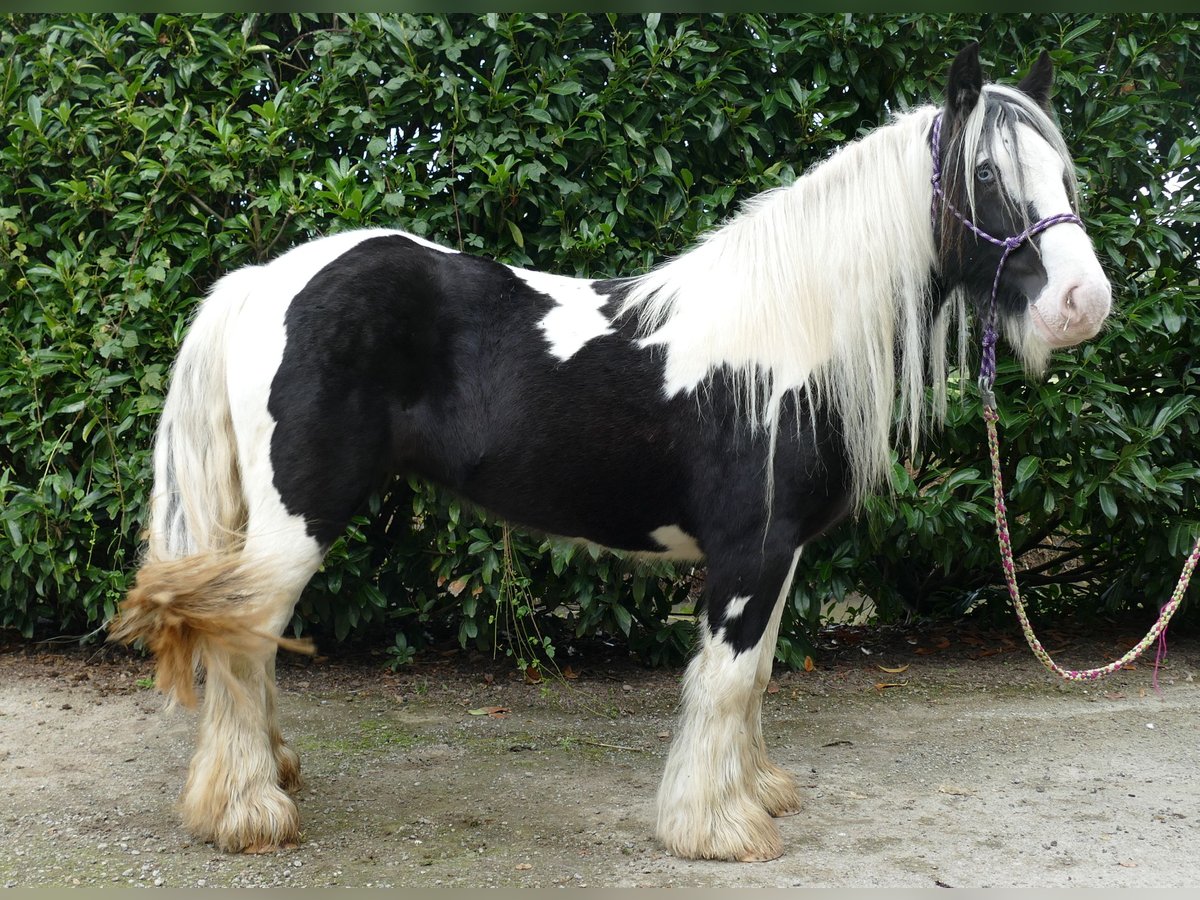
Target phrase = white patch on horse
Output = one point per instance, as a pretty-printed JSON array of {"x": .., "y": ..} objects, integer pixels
[
  {"x": 1077, "y": 297},
  {"x": 676, "y": 543},
  {"x": 735, "y": 607},
  {"x": 575, "y": 318}
]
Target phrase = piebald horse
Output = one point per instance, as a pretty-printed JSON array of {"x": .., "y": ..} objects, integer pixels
[{"x": 729, "y": 405}]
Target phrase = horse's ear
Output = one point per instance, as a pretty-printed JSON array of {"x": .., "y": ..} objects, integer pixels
[
  {"x": 1037, "y": 83},
  {"x": 965, "y": 83}
]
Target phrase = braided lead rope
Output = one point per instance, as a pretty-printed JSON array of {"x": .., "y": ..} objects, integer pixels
[
  {"x": 1010, "y": 578},
  {"x": 987, "y": 379}
]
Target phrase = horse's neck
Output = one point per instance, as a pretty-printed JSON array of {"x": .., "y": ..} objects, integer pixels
[{"x": 813, "y": 286}]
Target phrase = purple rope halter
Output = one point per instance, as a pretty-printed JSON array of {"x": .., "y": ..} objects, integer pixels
[
  {"x": 987, "y": 366},
  {"x": 987, "y": 379}
]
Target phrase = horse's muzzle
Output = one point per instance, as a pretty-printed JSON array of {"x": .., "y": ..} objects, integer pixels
[{"x": 1067, "y": 314}]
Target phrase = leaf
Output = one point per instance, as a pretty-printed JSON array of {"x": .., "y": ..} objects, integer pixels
[
  {"x": 662, "y": 157},
  {"x": 1107, "y": 503},
  {"x": 809, "y": 665},
  {"x": 884, "y": 685},
  {"x": 516, "y": 234},
  {"x": 717, "y": 126},
  {"x": 457, "y": 586},
  {"x": 1026, "y": 467},
  {"x": 392, "y": 100},
  {"x": 1172, "y": 320},
  {"x": 1079, "y": 31},
  {"x": 493, "y": 712},
  {"x": 896, "y": 671},
  {"x": 624, "y": 618},
  {"x": 772, "y": 687},
  {"x": 34, "y": 107},
  {"x": 1142, "y": 473}
]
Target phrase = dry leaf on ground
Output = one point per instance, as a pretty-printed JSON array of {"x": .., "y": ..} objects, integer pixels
[{"x": 492, "y": 712}]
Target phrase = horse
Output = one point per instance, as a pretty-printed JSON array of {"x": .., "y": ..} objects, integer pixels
[{"x": 729, "y": 405}]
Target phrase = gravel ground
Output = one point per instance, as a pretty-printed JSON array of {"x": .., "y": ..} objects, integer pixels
[{"x": 969, "y": 768}]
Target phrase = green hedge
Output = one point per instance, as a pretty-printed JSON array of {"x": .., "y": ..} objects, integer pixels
[{"x": 146, "y": 155}]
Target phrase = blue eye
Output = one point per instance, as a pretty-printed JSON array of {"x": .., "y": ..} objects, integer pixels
[{"x": 985, "y": 173}]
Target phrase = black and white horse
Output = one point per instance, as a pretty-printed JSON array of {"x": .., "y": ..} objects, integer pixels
[{"x": 730, "y": 405}]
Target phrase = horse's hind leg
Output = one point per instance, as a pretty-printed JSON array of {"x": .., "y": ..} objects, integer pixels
[
  {"x": 236, "y": 790},
  {"x": 719, "y": 792},
  {"x": 287, "y": 760},
  {"x": 236, "y": 793}
]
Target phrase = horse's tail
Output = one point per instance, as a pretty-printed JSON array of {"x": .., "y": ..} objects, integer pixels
[{"x": 191, "y": 590}]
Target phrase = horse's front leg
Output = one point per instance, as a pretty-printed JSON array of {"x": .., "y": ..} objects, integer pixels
[{"x": 719, "y": 791}]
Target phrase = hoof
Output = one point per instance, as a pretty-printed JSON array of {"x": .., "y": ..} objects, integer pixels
[
  {"x": 264, "y": 823},
  {"x": 758, "y": 858},
  {"x": 744, "y": 833}
]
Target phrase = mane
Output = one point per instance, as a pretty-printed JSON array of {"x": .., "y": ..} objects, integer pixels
[{"x": 822, "y": 286}]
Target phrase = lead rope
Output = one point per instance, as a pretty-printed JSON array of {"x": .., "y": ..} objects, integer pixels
[
  {"x": 1010, "y": 578},
  {"x": 987, "y": 380}
]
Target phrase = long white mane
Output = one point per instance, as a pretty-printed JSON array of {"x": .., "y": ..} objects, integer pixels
[{"x": 823, "y": 286}]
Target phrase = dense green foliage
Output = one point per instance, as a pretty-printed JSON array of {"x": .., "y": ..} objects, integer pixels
[{"x": 144, "y": 156}]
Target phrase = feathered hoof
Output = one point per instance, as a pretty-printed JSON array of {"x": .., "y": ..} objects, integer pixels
[
  {"x": 777, "y": 791},
  {"x": 744, "y": 833},
  {"x": 287, "y": 763},
  {"x": 263, "y": 824}
]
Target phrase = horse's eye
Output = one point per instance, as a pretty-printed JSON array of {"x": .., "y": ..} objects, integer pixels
[{"x": 985, "y": 173}]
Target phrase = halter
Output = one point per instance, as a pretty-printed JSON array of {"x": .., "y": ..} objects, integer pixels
[
  {"x": 987, "y": 365},
  {"x": 987, "y": 379}
]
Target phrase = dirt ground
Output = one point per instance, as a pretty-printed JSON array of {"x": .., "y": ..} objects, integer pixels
[{"x": 971, "y": 767}]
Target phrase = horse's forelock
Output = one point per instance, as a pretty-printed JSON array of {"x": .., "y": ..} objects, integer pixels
[{"x": 1000, "y": 110}]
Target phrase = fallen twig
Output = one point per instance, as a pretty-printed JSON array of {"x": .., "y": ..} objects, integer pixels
[{"x": 610, "y": 746}]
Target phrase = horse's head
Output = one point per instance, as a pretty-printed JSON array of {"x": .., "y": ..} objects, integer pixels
[{"x": 1005, "y": 169}]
